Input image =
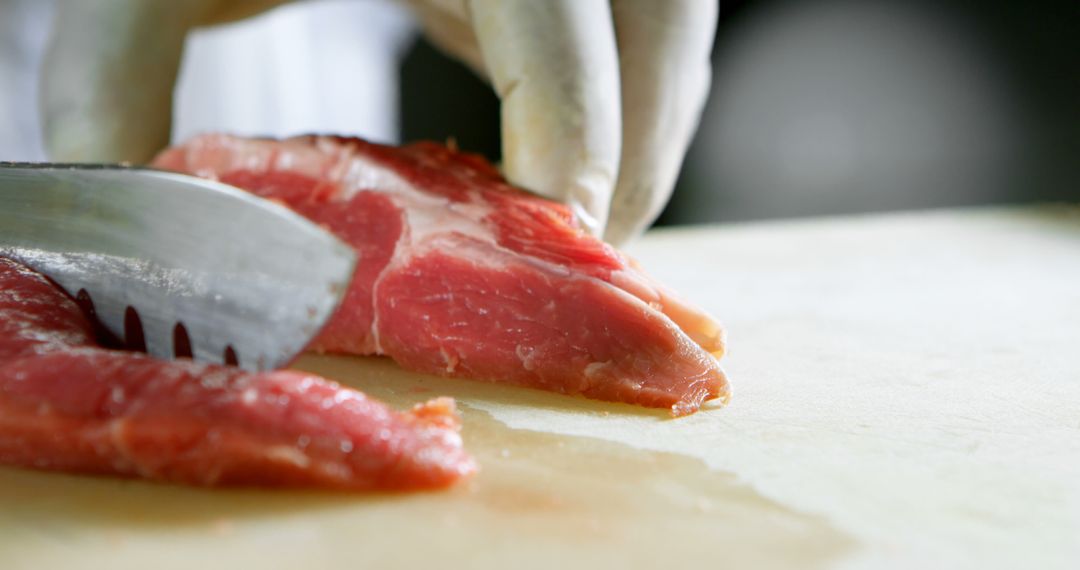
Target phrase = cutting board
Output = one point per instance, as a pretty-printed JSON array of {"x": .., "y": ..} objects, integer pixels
[{"x": 906, "y": 394}]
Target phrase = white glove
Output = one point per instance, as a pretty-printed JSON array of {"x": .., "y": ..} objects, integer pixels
[{"x": 586, "y": 86}]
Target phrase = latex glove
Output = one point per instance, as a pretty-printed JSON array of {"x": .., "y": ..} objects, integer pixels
[{"x": 599, "y": 97}]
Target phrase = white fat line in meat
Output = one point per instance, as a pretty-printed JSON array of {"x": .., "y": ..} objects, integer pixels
[
  {"x": 426, "y": 215},
  {"x": 395, "y": 260}
]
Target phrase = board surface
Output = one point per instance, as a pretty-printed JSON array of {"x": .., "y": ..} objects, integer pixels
[{"x": 906, "y": 394}]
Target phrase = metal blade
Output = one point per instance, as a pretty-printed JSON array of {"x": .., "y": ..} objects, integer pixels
[{"x": 236, "y": 273}]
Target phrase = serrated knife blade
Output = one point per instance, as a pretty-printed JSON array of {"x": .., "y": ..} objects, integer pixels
[{"x": 168, "y": 259}]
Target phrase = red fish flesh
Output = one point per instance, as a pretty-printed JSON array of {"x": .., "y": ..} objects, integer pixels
[
  {"x": 461, "y": 274},
  {"x": 67, "y": 404}
]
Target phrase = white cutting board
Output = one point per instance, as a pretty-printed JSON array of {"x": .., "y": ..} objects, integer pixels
[{"x": 906, "y": 395}]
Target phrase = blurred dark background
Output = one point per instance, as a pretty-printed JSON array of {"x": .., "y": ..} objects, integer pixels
[{"x": 842, "y": 106}]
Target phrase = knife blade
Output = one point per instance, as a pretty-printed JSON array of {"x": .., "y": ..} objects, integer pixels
[{"x": 180, "y": 265}]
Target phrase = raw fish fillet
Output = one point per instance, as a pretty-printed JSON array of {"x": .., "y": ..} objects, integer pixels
[
  {"x": 67, "y": 404},
  {"x": 461, "y": 274}
]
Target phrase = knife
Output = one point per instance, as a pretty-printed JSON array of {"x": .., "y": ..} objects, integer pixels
[{"x": 174, "y": 264}]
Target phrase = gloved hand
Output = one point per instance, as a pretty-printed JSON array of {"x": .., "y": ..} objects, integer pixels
[{"x": 599, "y": 97}]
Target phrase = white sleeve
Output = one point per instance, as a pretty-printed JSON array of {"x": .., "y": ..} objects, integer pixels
[
  {"x": 328, "y": 66},
  {"x": 24, "y": 30}
]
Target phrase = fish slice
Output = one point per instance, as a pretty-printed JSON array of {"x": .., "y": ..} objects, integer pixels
[{"x": 175, "y": 265}]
